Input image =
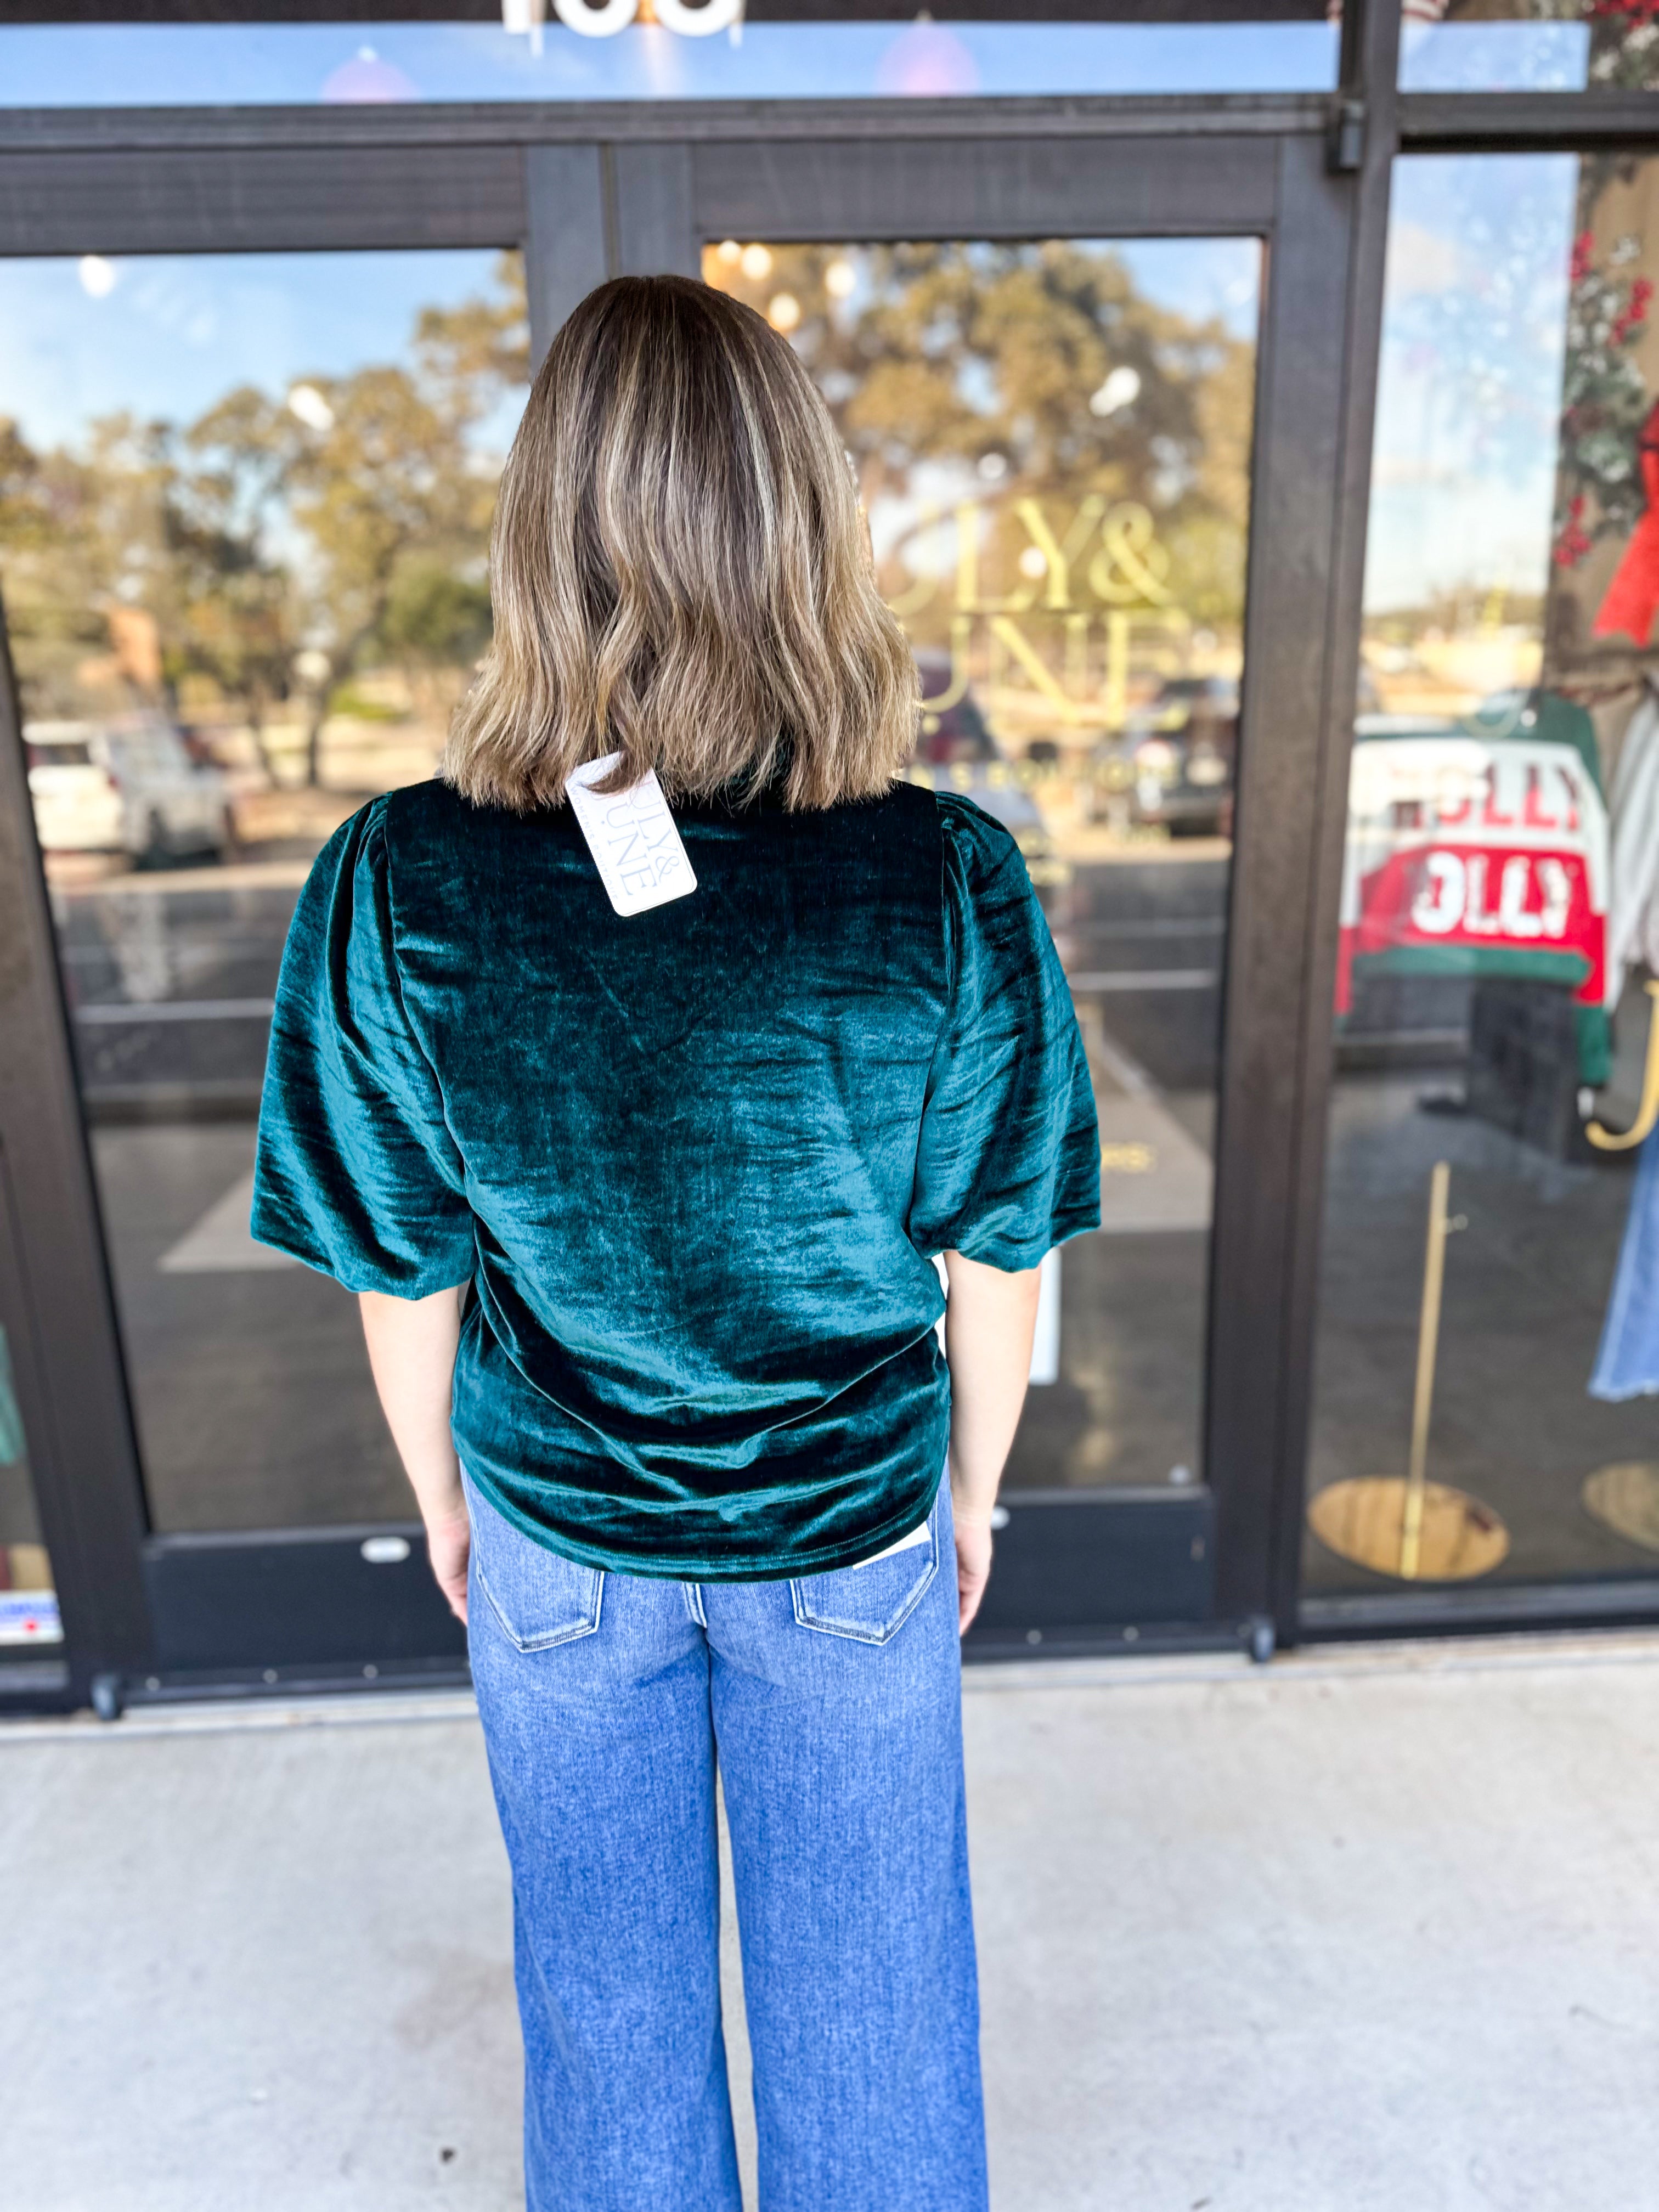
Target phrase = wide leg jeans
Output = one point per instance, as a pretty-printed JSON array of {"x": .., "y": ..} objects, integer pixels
[{"x": 832, "y": 1706}]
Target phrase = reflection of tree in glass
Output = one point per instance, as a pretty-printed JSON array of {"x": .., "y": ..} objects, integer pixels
[
  {"x": 991, "y": 365},
  {"x": 1604, "y": 458},
  {"x": 1605, "y": 401},
  {"x": 342, "y": 521}
]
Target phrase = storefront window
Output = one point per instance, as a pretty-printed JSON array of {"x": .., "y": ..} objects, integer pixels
[
  {"x": 28, "y": 1602},
  {"x": 1053, "y": 445},
  {"x": 636, "y": 50},
  {"x": 244, "y": 508},
  {"x": 1528, "y": 45},
  {"x": 1489, "y": 1338}
]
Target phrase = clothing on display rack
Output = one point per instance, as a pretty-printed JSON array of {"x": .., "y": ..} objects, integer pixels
[
  {"x": 1633, "y": 849},
  {"x": 1627, "y": 1359},
  {"x": 1632, "y": 598}
]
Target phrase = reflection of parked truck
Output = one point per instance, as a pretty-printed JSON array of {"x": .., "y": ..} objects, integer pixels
[
  {"x": 1175, "y": 763},
  {"x": 127, "y": 786},
  {"x": 956, "y": 751}
]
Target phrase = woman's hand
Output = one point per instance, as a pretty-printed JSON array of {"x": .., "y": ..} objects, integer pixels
[
  {"x": 449, "y": 1546},
  {"x": 973, "y": 1569},
  {"x": 411, "y": 1349},
  {"x": 990, "y": 1317}
]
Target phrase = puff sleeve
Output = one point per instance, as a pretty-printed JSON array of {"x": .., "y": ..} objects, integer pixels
[
  {"x": 1008, "y": 1161},
  {"x": 356, "y": 1172}
]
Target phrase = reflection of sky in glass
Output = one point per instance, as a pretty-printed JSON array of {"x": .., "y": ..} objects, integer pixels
[
  {"x": 122, "y": 65},
  {"x": 1494, "y": 57},
  {"x": 1198, "y": 278},
  {"x": 175, "y": 332},
  {"x": 1469, "y": 403}
]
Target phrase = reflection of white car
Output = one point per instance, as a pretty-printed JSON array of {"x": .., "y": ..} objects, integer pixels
[{"x": 123, "y": 786}]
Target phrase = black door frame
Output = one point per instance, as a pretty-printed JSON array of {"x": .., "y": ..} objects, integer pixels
[{"x": 587, "y": 191}]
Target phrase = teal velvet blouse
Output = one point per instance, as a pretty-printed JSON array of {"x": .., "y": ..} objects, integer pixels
[{"x": 694, "y": 1162}]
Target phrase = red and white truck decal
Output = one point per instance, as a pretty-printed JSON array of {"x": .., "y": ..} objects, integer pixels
[{"x": 1459, "y": 842}]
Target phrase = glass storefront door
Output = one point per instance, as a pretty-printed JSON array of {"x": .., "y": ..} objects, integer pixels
[
  {"x": 1053, "y": 444},
  {"x": 243, "y": 556}
]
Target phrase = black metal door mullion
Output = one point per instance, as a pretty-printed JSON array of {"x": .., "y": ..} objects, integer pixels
[
  {"x": 567, "y": 231},
  {"x": 1286, "y": 712},
  {"x": 1370, "y": 65},
  {"x": 1041, "y": 187}
]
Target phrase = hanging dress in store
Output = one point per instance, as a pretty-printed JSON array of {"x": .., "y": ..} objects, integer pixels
[
  {"x": 1632, "y": 596},
  {"x": 1627, "y": 1359},
  {"x": 1633, "y": 851}
]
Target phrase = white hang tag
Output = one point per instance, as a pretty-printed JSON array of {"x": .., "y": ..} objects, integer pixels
[{"x": 631, "y": 834}]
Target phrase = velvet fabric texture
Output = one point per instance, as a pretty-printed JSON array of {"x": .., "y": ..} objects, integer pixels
[{"x": 694, "y": 1162}]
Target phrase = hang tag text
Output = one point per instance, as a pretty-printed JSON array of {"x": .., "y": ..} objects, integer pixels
[{"x": 631, "y": 834}]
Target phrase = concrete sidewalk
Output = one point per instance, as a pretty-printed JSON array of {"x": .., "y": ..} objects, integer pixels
[{"x": 1364, "y": 1931}]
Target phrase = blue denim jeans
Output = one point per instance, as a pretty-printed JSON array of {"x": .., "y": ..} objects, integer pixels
[{"x": 833, "y": 1703}]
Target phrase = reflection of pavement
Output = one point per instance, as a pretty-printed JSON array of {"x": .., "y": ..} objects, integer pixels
[
  {"x": 249, "y": 1378},
  {"x": 1092, "y": 844},
  {"x": 170, "y": 976},
  {"x": 1125, "y": 1408},
  {"x": 220, "y": 1243},
  {"x": 107, "y": 884},
  {"x": 1153, "y": 1175},
  {"x": 1142, "y": 947}
]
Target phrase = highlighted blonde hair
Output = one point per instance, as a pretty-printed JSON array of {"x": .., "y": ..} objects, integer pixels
[{"x": 680, "y": 572}]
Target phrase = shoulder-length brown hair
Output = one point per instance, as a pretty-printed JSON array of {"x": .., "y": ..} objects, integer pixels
[{"x": 680, "y": 572}]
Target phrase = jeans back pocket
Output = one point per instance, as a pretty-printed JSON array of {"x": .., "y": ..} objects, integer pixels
[
  {"x": 539, "y": 1597},
  {"x": 869, "y": 1603}
]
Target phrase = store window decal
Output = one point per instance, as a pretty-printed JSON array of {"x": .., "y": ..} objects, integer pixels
[{"x": 1056, "y": 469}]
